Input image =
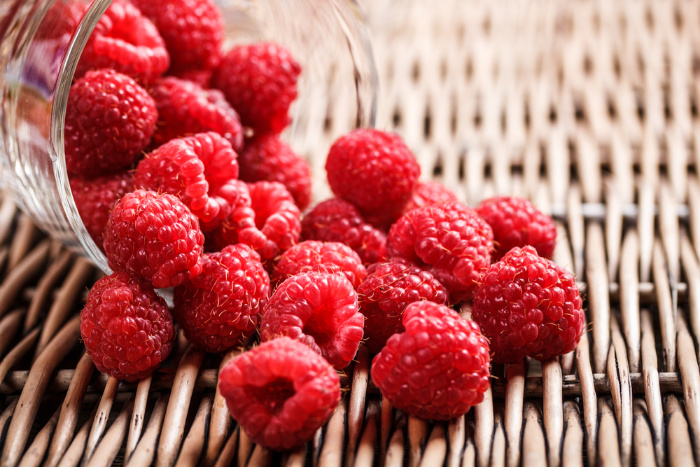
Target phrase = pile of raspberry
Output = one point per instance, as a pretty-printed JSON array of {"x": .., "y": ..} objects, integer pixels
[{"x": 180, "y": 174}]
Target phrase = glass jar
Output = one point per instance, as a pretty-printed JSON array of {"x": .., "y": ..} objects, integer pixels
[{"x": 40, "y": 49}]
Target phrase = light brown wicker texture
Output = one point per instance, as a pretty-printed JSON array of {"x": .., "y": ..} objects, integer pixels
[{"x": 589, "y": 108}]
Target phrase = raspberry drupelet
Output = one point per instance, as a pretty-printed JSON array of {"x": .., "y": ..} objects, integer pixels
[
  {"x": 193, "y": 31},
  {"x": 450, "y": 241},
  {"x": 516, "y": 222},
  {"x": 375, "y": 171},
  {"x": 386, "y": 291},
  {"x": 336, "y": 220},
  {"x": 220, "y": 308},
  {"x": 268, "y": 158},
  {"x": 192, "y": 168},
  {"x": 127, "y": 329},
  {"x": 319, "y": 310},
  {"x": 280, "y": 392},
  {"x": 125, "y": 41},
  {"x": 109, "y": 121},
  {"x": 154, "y": 238},
  {"x": 438, "y": 368},
  {"x": 313, "y": 256},
  {"x": 185, "y": 108},
  {"x": 528, "y": 306},
  {"x": 260, "y": 82}
]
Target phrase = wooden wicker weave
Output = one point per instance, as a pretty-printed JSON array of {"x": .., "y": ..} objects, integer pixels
[{"x": 590, "y": 108}]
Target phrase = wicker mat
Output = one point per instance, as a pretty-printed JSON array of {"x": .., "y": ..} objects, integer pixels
[{"x": 589, "y": 108}]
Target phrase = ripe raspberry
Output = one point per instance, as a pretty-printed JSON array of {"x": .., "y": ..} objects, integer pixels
[
  {"x": 220, "y": 308},
  {"x": 235, "y": 208},
  {"x": 109, "y": 121},
  {"x": 280, "y": 392},
  {"x": 335, "y": 220},
  {"x": 193, "y": 31},
  {"x": 61, "y": 20},
  {"x": 126, "y": 41},
  {"x": 319, "y": 310},
  {"x": 528, "y": 306},
  {"x": 429, "y": 194},
  {"x": 386, "y": 291},
  {"x": 450, "y": 241},
  {"x": 268, "y": 158},
  {"x": 326, "y": 257},
  {"x": 154, "y": 238},
  {"x": 516, "y": 222},
  {"x": 95, "y": 197},
  {"x": 184, "y": 108},
  {"x": 373, "y": 170},
  {"x": 127, "y": 329},
  {"x": 260, "y": 82},
  {"x": 274, "y": 229},
  {"x": 438, "y": 369},
  {"x": 191, "y": 168}
]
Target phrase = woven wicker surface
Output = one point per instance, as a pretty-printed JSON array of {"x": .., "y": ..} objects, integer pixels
[{"x": 590, "y": 108}]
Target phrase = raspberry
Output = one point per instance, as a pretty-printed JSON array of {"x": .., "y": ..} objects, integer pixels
[
  {"x": 450, "y": 241},
  {"x": 61, "y": 20},
  {"x": 192, "y": 30},
  {"x": 319, "y": 310},
  {"x": 268, "y": 158},
  {"x": 185, "y": 108},
  {"x": 335, "y": 220},
  {"x": 127, "y": 329},
  {"x": 235, "y": 207},
  {"x": 220, "y": 308},
  {"x": 95, "y": 197},
  {"x": 516, "y": 222},
  {"x": 275, "y": 227},
  {"x": 386, "y": 291},
  {"x": 429, "y": 194},
  {"x": 373, "y": 170},
  {"x": 109, "y": 121},
  {"x": 191, "y": 168},
  {"x": 528, "y": 306},
  {"x": 260, "y": 82},
  {"x": 126, "y": 41},
  {"x": 280, "y": 392},
  {"x": 327, "y": 257},
  {"x": 438, "y": 369},
  {"x": 154, "y": 238}
]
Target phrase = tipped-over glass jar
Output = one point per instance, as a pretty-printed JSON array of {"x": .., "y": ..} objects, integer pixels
[{"x": 39, "y": 53}]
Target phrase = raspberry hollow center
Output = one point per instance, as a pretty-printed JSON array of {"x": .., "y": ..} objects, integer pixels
[
  {"x": 320, "y": 326},
  {"x": 273, "y": 395}
]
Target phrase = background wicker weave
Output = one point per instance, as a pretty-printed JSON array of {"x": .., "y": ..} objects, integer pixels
[{"x": 590, "y": 108}]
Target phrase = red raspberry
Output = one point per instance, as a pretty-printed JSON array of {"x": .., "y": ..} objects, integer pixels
[
  {"x": 95, "y": 197},
  {"x": 516, "y": 222},
  {"x": 127, "y": 329},
  {"x": 429, "y": 194},
  {"x": 260, "y": 82},
  {"x": 268, "y": 158},
  {"x": 386, "y": 291},
  {"x": 154, "y": 238},
  {"x": 319, "y": 310},
  {"x": 184, "y": 108},
  {"x": 373, "y": 170},
  {"x": 275, "y": 227},
  {"x": 438, "y": 369},
  {"x": 327, "y": 257},
  {"x": 280, "y": 392},
  {"x": 126, "y": 41},
  {"x": 109, "y": 121},
  {"x": 61, "y": 20},
  {"x": 335, "y": 220},
  {"x": 193, "y": 31},
  {"x": 233, "y": 199},
  {"x": 191, "y": 168},
  {"x": 220, "y": 308},
  {"x": 450, "y": 241},
  {"x": 528, "y": 306}
]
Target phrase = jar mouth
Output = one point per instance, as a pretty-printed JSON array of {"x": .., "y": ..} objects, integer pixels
[{"x": 58, "y": 118}]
